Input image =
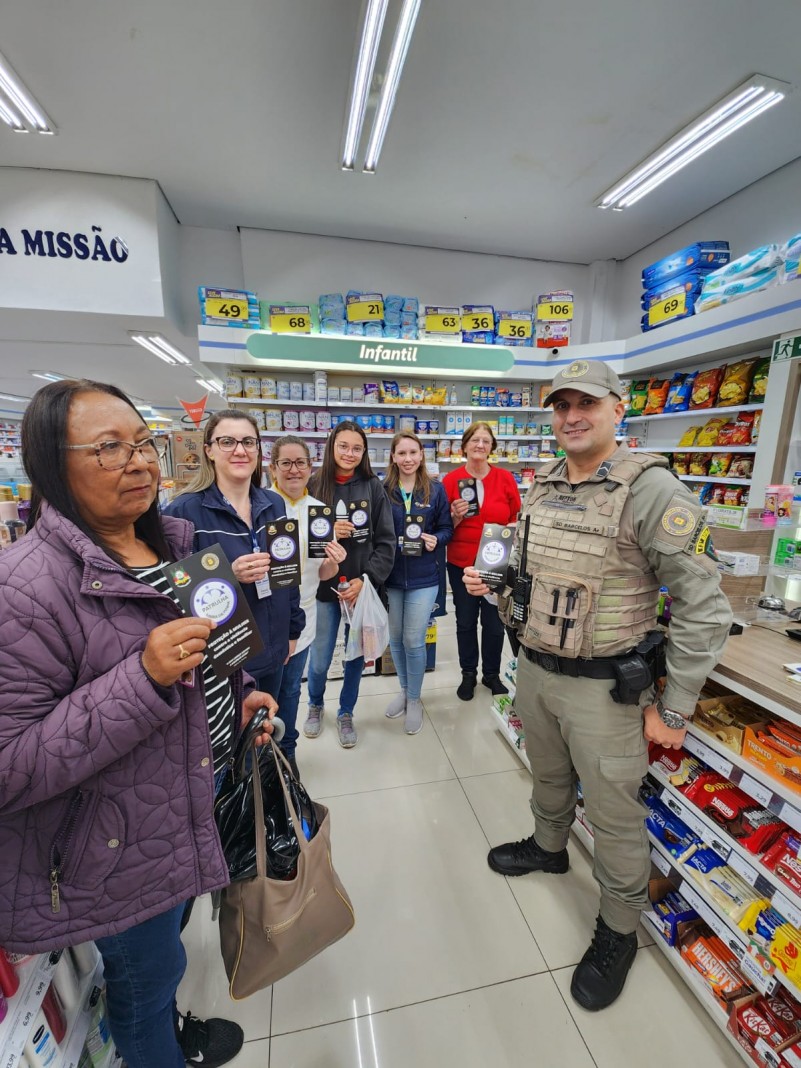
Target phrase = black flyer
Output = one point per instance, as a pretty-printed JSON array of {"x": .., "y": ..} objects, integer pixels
[
  {"x": 205, "y": 586},
  {"x": 283, "y": 545},
  {"x": 494, "y": 550},
  {"x": 467, "y": 491},
  {"x": 321, "y": 529},
  {"x": 359, "y": 515},
  {"x": 413, "y": 535}
]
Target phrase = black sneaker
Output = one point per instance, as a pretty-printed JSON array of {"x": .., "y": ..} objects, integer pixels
[
  {"x": 598, "y": 980},
  {"x": 467, "y": 687},
  {"x": 209, "y": 1042},
  {"x": 494, "y": 684},
  {"x": 520, "y": 858}
]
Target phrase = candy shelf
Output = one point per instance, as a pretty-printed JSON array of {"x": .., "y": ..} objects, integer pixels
[
  {"x": 696, "y": 448},
  {"x": 35, "y": 976},
  {"x": 696, "y": 413},
  {"x": 509, "y": 736}
]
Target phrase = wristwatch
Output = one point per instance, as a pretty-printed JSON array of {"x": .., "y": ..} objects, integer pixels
[{"x": 675, "y": 720}]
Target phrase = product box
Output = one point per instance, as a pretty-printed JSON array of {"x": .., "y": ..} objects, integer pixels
[
  {"x": 726, "y": 719},
  {"x": 786, "y": 769},
  {"x": 337, "y": 668},
  {"x": 386, "y": 665},
  {"x": 708, "y": 255},
  {"x": 739, "y": 563},
  {"x": 187, "y": 448},
  {"x": 673, "y": 913}
]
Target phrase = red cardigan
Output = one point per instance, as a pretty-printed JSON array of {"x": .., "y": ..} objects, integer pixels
[{"x": 501, "y": 505}]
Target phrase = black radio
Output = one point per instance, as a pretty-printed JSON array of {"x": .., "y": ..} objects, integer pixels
[{"x": 521, "y": 591}]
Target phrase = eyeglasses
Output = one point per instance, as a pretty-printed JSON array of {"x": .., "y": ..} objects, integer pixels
[
  {"x": 356, "y": 450},
  {"x": 114, "y": 455},
  {"x": 287, "y": 465},
  {"x": 227, "y": 444}
]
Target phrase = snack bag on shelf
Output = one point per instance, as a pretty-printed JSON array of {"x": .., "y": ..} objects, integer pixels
[
  {"x": 717, "y": 493},
  {"x": 705, "y": 390},
  {"x": 785, "y": 951},
  {"x": 390, "y": 392},
  {"x": 639, "y": 397},
  {"x": 759, "y": 382},
  {"x": 681, "y": 463},
  {"x": 719, "y": 464},
  {"x": 738, "y": 432},
  {"x": 741, "y": 467},
  {"x": 681, "y": 388},
  {"x": 689, "y": 436},
  {"x": 658, "y": 389},
  {"x": 699, "y": 464},
  {"x": 734, "y": 496},
  {"x": 405, "y": 393},
  {"x": 755, "y": 427},
  {"x": 708, "y": 434},
  {"x": 439, "y": 395},
  {"x": 736, "y": 383}
]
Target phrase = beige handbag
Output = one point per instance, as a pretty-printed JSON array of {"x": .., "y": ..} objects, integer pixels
[{"x": 269, "y": 927}]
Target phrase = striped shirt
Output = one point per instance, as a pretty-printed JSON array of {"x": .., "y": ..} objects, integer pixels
[{"x": 219, "y": 699}]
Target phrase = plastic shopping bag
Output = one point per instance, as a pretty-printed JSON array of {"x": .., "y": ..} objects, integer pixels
[{"x": 369, "y": 626}]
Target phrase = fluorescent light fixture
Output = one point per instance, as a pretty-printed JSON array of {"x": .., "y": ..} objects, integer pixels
[
  {"x": 736, "y": 109},
  {"x": 14, "y": 397},
  {"x": 389, "y": 90},
  {"x": 363, "y": 68},
  {"x": 18, "y": 108},
  {"x": 160, "y": 347},
  {"x": 49, "y": 376},
  {"x": 211, "y": 386}
]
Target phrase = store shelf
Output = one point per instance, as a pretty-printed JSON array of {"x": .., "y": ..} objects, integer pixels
[
  {"x": 272, "y": 402},
  {"x": 697, "y": 985},
  {"x": 752, "y": 780},
  {"x": 78, "y": 1026},
  {"x": 711, "y": 478},
  {"x": 509, "y": 736},
  {"x": 377, "y": 434},
  {"x": 35, "y": 976},
  {"x": 694, "y": 448},
  {"x": 696, "y": 413},
  {"x": 746, "y": 864}
]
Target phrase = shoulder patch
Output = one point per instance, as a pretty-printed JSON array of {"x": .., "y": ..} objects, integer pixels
[
  {"x": 678, "y": 521},
  {"x": 701, "y": 542}
]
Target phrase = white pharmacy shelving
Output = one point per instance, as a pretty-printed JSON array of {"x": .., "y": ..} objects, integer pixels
[
  {"x": 34, "y": 979},
  {"x": 78, "y": 1025},
  {"x": 695, "y": 413},
  {"x": 509, "y": 736}
]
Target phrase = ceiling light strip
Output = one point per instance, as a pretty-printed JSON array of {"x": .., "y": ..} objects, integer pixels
[
  {"x": 146, "y": 343},
  {"x": 364, "y": 65},
  {"x": 389, "y": 90},
  {"x": 11, "y": 118},
  {"x": 741, "y": 106},
  {"x": 23, "y": 101},
  {"x": 162, "y": 343}
]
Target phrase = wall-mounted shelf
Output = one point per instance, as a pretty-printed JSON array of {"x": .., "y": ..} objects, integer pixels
[{"x": 696, "y": 413}]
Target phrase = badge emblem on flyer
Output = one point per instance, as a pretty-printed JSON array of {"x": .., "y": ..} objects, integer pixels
[
  {"x": 678, "y": 521},
  {"x": 210, "y": 561}
]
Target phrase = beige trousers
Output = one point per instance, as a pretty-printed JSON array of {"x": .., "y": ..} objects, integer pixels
[{"x": 575, "y": 731}]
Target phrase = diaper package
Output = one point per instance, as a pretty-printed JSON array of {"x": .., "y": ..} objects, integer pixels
[
  {"x": 759, "y": 259},
  {"x": 692, "y": 282},
  {"x": 712, "y": 296},
  {"x": 703, "y": 255},
  {"x": 229, "y": 307}
]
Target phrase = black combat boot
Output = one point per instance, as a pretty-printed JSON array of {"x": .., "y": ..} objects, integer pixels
[
  {"x": 520, "y": 858},
  {"x": 598, "y": 980},
  {"x": 467, "y": 687},
  {"x": 493, "y": 684}
]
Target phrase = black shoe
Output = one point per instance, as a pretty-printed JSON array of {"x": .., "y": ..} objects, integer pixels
[
  {"x": 520, "y": 858},
  {"x": 598, "y": 980},
  {"x": 467, "y": 687},
  {"x": 493, "y": 684},
  {"x": 209, "y": 1042}
]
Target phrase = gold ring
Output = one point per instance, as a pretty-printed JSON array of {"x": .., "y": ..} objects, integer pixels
[{"x": 182, "y": 653}]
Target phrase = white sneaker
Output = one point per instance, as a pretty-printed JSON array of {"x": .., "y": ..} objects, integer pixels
[
  {"x": 314, "y": 721},
  {"x": 397, "y": 706},
  {"x": 346, "y": 731},
  {"x": 414, "y": 716}
]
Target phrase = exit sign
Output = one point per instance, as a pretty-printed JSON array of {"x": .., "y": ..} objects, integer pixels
[{"x": 787, "y": 348}]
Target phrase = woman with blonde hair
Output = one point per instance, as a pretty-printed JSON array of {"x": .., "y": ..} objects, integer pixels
[{"x": 414, "y": 580}]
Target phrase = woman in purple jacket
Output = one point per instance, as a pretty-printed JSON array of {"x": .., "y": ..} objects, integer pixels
[{"x": 106, "y": 765}]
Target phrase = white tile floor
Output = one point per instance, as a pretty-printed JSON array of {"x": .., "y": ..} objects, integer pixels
[{"x": 449, "y": 965}]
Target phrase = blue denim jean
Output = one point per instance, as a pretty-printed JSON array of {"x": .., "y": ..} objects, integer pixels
[
  {"x": 143, "y": 967},
  {"x": 288, "y": 698},
  {"x": 329, "y": 618},
  {"x": 409, "y": 613}
]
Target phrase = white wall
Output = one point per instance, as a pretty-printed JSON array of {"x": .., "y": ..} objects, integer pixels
[
  {"x": 207, "y": 258},
  {"x": 767, "y": 211},
  {"x": 282, "y": 266}
]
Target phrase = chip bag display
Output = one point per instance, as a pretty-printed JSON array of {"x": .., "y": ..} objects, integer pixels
[
  {"x": 681, "y": 388},
  {"x": 741, "y": 467},
  {"x": 736, "y": 383},
  {"x": 738, "y": 432},
  {"x": 699, "y": 464},
  {"x": 639, "y": 397},
  {"x": 719, "y": 464},
  {"x": 689, "y": 436},
  {"x": 658, "y": 389},
  {"x": 755, "y": 427},
  {"x": 759, "y": 382},
  {"x": 705, "y": 390},
  {"x": 708, "y": 435},
  {"x": 717, "y": 494},
  {"x": 681, "y": 463},
  {"x": 732, "y": 495}
]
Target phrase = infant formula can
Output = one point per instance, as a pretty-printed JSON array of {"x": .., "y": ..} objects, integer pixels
[
  {"x": 252, "y": 386},
  {"x": 430, "y": 454},
  {"x": 283, "y": 389},
  {"x": 443, "y": 449},
  {"x": 269, "y": 390},
  {"x": 308, "y": 391},
  {"x": 272, "y": 419},
  {"x": 387, "y": 454},
  {"x": 257, "y": 415},
  {"x": 291, "y": 420},
  {"x": 321, "y": 376},
  {"x": 333, "y": 395},
  {"x": 433, "y": 426},
  {"x": 296, "y": 391},
  {"x": 323, "y": 420},
  {"x": 358, "y": 394},
  {"x": 233, "y": 385},
  {"x": 421, "y": 426},
  {"x": 267, "y": 451},
  {"x": 388, "y": 424},
  {"x": 346, "y": 394},
  {"x": 365, "y": 422},
  {"x": 406, "y": 424},
  {"x": 307, "y": 421},
  {"x": 372, "y": 455}
]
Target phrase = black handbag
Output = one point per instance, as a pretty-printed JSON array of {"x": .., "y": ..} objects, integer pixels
[{"x": 234, "y": 810}]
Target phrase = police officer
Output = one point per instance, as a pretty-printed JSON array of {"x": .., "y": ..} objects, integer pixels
[{"x": 606, "y": 528}]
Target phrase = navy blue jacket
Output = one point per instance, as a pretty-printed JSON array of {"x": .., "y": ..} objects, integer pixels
[
  {"x": 280, "y": 617},
  {"x": 416, "y": 572}
]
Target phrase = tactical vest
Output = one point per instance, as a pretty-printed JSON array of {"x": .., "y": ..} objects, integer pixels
[{"x": 593, "y": 592}]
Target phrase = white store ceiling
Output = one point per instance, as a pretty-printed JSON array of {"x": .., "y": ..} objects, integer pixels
[{"x": 511, "y": 119}]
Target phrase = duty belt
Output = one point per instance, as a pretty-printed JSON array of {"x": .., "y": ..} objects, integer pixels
[{"x": 561, "y": 665}]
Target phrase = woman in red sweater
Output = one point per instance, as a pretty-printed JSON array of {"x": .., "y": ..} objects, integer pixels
[{"x": 498, "y": 502}]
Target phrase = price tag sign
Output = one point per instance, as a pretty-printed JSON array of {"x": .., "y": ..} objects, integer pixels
[
  {"x": 288, "y": 320},
  {"x": 791, "y": 816},
  {"x": 693, "y": 822},
  {"x": 443, "y": 321},
  {"x": 787, "y": 908},
  {"x": 369, "y": 308},
  {"x": 709, "y": 756},
  {"x": 757, "y": 790},
  {"x": 555, "y": 312},
  {"x": 223, "y": 308},
  {"x": 475, "y": 319},
  {"x": 706, "y": 912},
  {"x": 515, "y": 328},
  {"x": 667, "y": 309},
  {"x": 660, "y": 862},
  {"x": 752, "y": 969},
  {"x": 742, "y": 867}
]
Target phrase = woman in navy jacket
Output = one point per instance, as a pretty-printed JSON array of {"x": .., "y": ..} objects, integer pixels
[
  {"x": 226, "y": 504},
  {"x": 413, "y": 583}
]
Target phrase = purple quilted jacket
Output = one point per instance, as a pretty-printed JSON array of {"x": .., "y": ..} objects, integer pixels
[{"x": 102, "y": 775}]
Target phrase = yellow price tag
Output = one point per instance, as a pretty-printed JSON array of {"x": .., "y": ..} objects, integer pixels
[
  {"x": 443, "y": 324},
  {"x": 477, "y": 321},
  {"x": 227, "y": 309},
  {"x": 285, "y": 320},
  {"x": 365, "y": 311},
  {"x": 514, "y": 328},
  {"x": 559, "y": 311},
  {"x": 667, "y": 309}
]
